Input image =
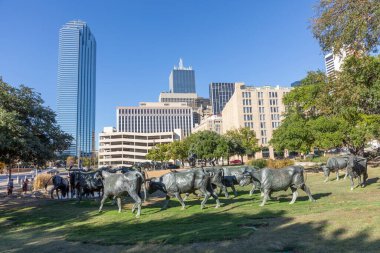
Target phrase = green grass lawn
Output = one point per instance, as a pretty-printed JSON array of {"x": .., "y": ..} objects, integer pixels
[{"x": 340, "y": 221}]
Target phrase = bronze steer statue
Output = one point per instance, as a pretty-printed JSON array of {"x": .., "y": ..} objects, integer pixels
[
  {"x": 356, "y": 168},
  {"x": 334, "y": 164},
  {"x": 272, "y": 180},
  {"x": 177, "y": 183},
  {"x": 121, "y": 185}
]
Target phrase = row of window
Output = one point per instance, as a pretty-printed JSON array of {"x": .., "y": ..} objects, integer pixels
[
  {"x": 273, "y": 94},
  {"x": 248, "y": 117},
  {"x": 154, "y": 111},
  {"x": 246, "y": 94},
  {"x": 247, "y": 102},
  {"x": 273, "y": 102}
]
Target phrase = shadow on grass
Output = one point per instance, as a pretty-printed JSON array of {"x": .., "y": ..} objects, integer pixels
[
  {"x": 265, "y": 230},
  {"x": 372, "y": 180}
]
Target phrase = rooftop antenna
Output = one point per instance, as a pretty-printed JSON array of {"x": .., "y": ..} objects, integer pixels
[{"x": 180, "y": 65}]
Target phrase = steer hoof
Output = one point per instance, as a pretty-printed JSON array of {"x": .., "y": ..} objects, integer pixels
[
  {"x": 137, "y": 215},
  {"x": 202, "y": 207},
  {"x": 352, "y": 188},
  {"x": 183, "y": 208},
  {"x": 261, "y": 205}
]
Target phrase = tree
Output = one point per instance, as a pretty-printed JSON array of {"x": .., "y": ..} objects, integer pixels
[
  {"x": 178, "y": 150},
  {"x": 347, "y": 24},
  {"x": 160, "y": 152},
  {"x": 204, "y": 144},
  {"x": 28, "y": 129},
  {"x": 344, "y": 111},
  {"x": 243, "y": 141}
]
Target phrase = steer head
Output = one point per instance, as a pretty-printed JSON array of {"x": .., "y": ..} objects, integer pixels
[
  {"x": 155, "y": 185},
  {"x": 246, "y": 180},
  {"x": 326, "y": 171}
]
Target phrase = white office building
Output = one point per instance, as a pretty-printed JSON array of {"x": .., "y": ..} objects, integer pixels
[
  {"x": 155, "y": 117},
  {"x": 126, "y": 148},
  {"x": 334, "y": 62}
]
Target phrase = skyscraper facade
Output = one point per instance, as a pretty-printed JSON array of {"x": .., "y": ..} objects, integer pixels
[
  {"x": 77, "y": 86},
  {"x": 334, "y": 62},
  {"x": 220, "y": 94},
  {"x": 182, "y": 79}
]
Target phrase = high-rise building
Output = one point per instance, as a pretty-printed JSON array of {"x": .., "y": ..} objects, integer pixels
[
  {"x": 182, "y": 79},
  {"x": 334, "y": 62},
  {"x": 155, "y": 117},
  {"x": 259, "y": 108},
  {"x": 220, "y": 94},
  {"x": 77, "y": 86},
  {"x": 212, "y": 123}
]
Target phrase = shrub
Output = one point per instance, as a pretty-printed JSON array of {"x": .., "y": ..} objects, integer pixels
[
  {"x": 40, "y": 181},
  {"x": 259, "y": 163},
  {"x": 277, "y": 164}
]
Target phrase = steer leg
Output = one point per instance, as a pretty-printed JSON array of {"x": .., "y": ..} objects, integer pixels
[
  {"x": 216, "y": 199},
  {"x": 178, "y": 196},
  {"x": 345, "y": 176},
  {"x": 308, "y": 192},
  {"x": 138, "y": 202},
  {"x": 119, "y": 203},
  {"x": 207, "y": 196},
  {"x": 234, "y": 190},
  {"x": 295, "y": 195},
  {"x": 365, "y": 176},
  {"x": 352, "y": 182},
  {"x": 102, "y": 202},
  {"x": 266, "y": 197},
  {"x": 337, "y": 175},
  {"x": 166, "y": 203}
]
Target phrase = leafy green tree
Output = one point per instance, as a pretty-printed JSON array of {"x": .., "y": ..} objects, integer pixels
[
  {"x": 28, "y": 129},
  {"x": 344, "y": 111},
  {"x": 243, "y": 141},
  {"x": 204, "y": 144},
  {"x": 160, "y": 152},
  {"x": 178, "y": 150},
  {"x": 351, "y": 24}
]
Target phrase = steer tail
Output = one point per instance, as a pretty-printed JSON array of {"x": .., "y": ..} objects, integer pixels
[
  {"x": 142, "y": 176},
  {"x": 305, "y": 173}
]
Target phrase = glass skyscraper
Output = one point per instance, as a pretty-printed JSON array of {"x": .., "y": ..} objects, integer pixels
[
  {"x": 77, "y": 86},
  {"x": 182, "y": 79},
  {"x": 220, "y": 94}
]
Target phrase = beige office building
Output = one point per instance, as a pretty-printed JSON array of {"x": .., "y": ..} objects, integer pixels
[
  {"x": 259, "y": 108},
  {"x": 126, "y": 148},
  {"x": 212, "y": 123}
]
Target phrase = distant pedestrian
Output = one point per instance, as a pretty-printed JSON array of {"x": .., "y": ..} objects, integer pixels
[
  {"x": 10, "y": 187},
  {"x": 25, "y": 186}
]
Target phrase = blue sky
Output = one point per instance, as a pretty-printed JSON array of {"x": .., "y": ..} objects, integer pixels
[{"x": 139, "y": 42}]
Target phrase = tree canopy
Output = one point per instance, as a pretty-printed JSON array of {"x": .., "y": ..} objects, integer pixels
[
  {"x": 28, "y": 129},
  {"x": 347, "y": 24},
  {"x": 328, "y": 113}
]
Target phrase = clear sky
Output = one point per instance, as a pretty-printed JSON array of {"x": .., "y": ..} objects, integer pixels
[{"x": 139, "y": 42}]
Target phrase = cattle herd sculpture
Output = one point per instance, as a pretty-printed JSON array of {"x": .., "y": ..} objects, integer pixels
[{"x": 122, "y": 182}]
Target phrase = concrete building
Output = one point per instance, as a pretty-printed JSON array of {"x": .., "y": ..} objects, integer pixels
[
  {"x": 198, "y": 104},
  {"x": 259, "y": 108},
  {"x": 126, "y": 148},
  {"x": 334, "y": 62},
  {"x": 220, "y": 94},
  {"x": 155, "y": 117},
  {"x": 212, "y": 123},
  {"x": 77, "y": 86},
  {"x": 182, "y": 79}
]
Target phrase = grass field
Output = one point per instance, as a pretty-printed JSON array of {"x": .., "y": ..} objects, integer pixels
[{"x": 340, "y": 221}]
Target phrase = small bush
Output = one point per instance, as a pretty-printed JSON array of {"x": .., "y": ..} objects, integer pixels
[
  {"x": 259, "y": 163},
  {"x": 277, "y": 164},
  {"x": 40, "y": 181}
]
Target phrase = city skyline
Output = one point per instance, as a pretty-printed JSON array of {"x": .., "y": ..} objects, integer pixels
[{"x": 265, "y": 54}]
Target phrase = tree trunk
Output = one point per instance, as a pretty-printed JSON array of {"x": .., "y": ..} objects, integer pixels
[{"x": 242, "y": 162}]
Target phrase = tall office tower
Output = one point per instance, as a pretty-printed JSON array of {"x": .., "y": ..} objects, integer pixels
[
  {"x": 334, "y": 62},
  {"x": 155, "y": 117},
  {"x": 76, "y": 86},
  {"x": 220, "y": 94},
  {"x": 182, "y": 79}
]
